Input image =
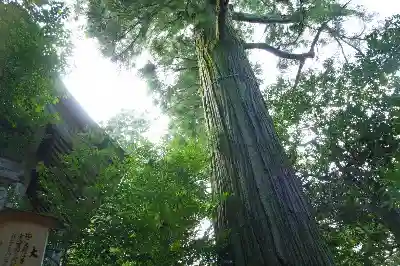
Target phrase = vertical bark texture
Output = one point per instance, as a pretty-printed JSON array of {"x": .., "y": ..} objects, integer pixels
[{"x": 265, "y": 219}]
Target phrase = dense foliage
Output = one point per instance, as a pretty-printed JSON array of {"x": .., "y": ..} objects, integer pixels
[
  {"x": 127, "y": 128},
  {"x": 165, "y": 29},
  {"x": 339, "y": 124},
  {"x": 144, "y": 209},
  {"x": 341, "y": 127},
  {"x": 33, "y": 46},
  {"x": 30, "y": 61}
]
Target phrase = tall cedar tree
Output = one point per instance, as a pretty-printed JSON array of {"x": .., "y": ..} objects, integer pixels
[{"x": 264, "y": 217}]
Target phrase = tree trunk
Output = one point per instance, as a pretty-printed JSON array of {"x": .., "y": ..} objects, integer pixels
[{"x": 264, "y": 218}]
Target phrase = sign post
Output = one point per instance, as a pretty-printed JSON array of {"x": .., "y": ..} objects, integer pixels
[{"x": 23, "y": 237}]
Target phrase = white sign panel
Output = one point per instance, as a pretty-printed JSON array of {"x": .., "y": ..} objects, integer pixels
[{"x": 22, "y": 244}]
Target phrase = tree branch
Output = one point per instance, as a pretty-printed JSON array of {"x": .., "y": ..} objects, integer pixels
[
  {"x": 266, "y": 19},
  {"x": 287, "y": 55},
  {"x": 341, "y": 48},
  {"x": 295, "y": 40},
  {"x": 119, "y": 55},
  {"x": 178, "y": 69},
  {"x": 222, "y": 8},
  {"x": 298, "y": 75},
  {"x": 342, "y": 38},
  {"x": 311, "y": 51},
  {"x": 277, "y": 52}
]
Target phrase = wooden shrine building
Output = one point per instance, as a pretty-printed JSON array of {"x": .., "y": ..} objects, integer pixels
[{"x": 18, "y": 174}]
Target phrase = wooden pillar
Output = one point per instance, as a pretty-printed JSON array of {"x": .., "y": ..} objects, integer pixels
[
  {"x": 30, "y": 159},
  {"x": 10, "y": 176},
  {"x": 3, "y": 196}
]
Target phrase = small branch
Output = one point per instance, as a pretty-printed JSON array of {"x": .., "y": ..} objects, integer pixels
[
  {"x": 353, "y": 46},
  {"x": 311, "y": 51},
  {"x": 126, "y": 49},
  {"x": 187, "y": 8},
  {"x": 287, "y": 55},
  {"x": 336, "y": 36},
  {"x": 178, "y": 69},
  {"x": 188, "y": 59},
  {"x": 341, "y": 48},
  {"x": 277, "y": 52},
  {"x": 127, "y": 31},
  {"x": 313, "y": 142},
  {"x": 301, "y": 57},
  {"x": 321, "y": 29},
  {"x": 304, "y": 174},
  {"x": 295, "y": 40},
  {"x": 298, "y": 75},
  {"x": 316, "y": 38},
  {"x": 266, "y": 19},
  {"x": 222, "y": 8},
  {"x": 357, "y": 36}
]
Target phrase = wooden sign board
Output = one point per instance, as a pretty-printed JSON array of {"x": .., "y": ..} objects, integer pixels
[{"x": 23, "y": 237}]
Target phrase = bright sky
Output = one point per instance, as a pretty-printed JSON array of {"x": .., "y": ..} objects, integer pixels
[{"x": 103, "y": 88}]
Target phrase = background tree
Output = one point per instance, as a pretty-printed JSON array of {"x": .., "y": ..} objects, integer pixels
[
  {"x": 266, "y": 208},
  {"x": 341, "y": 130},
  {"x": 127, "y": 127}
]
